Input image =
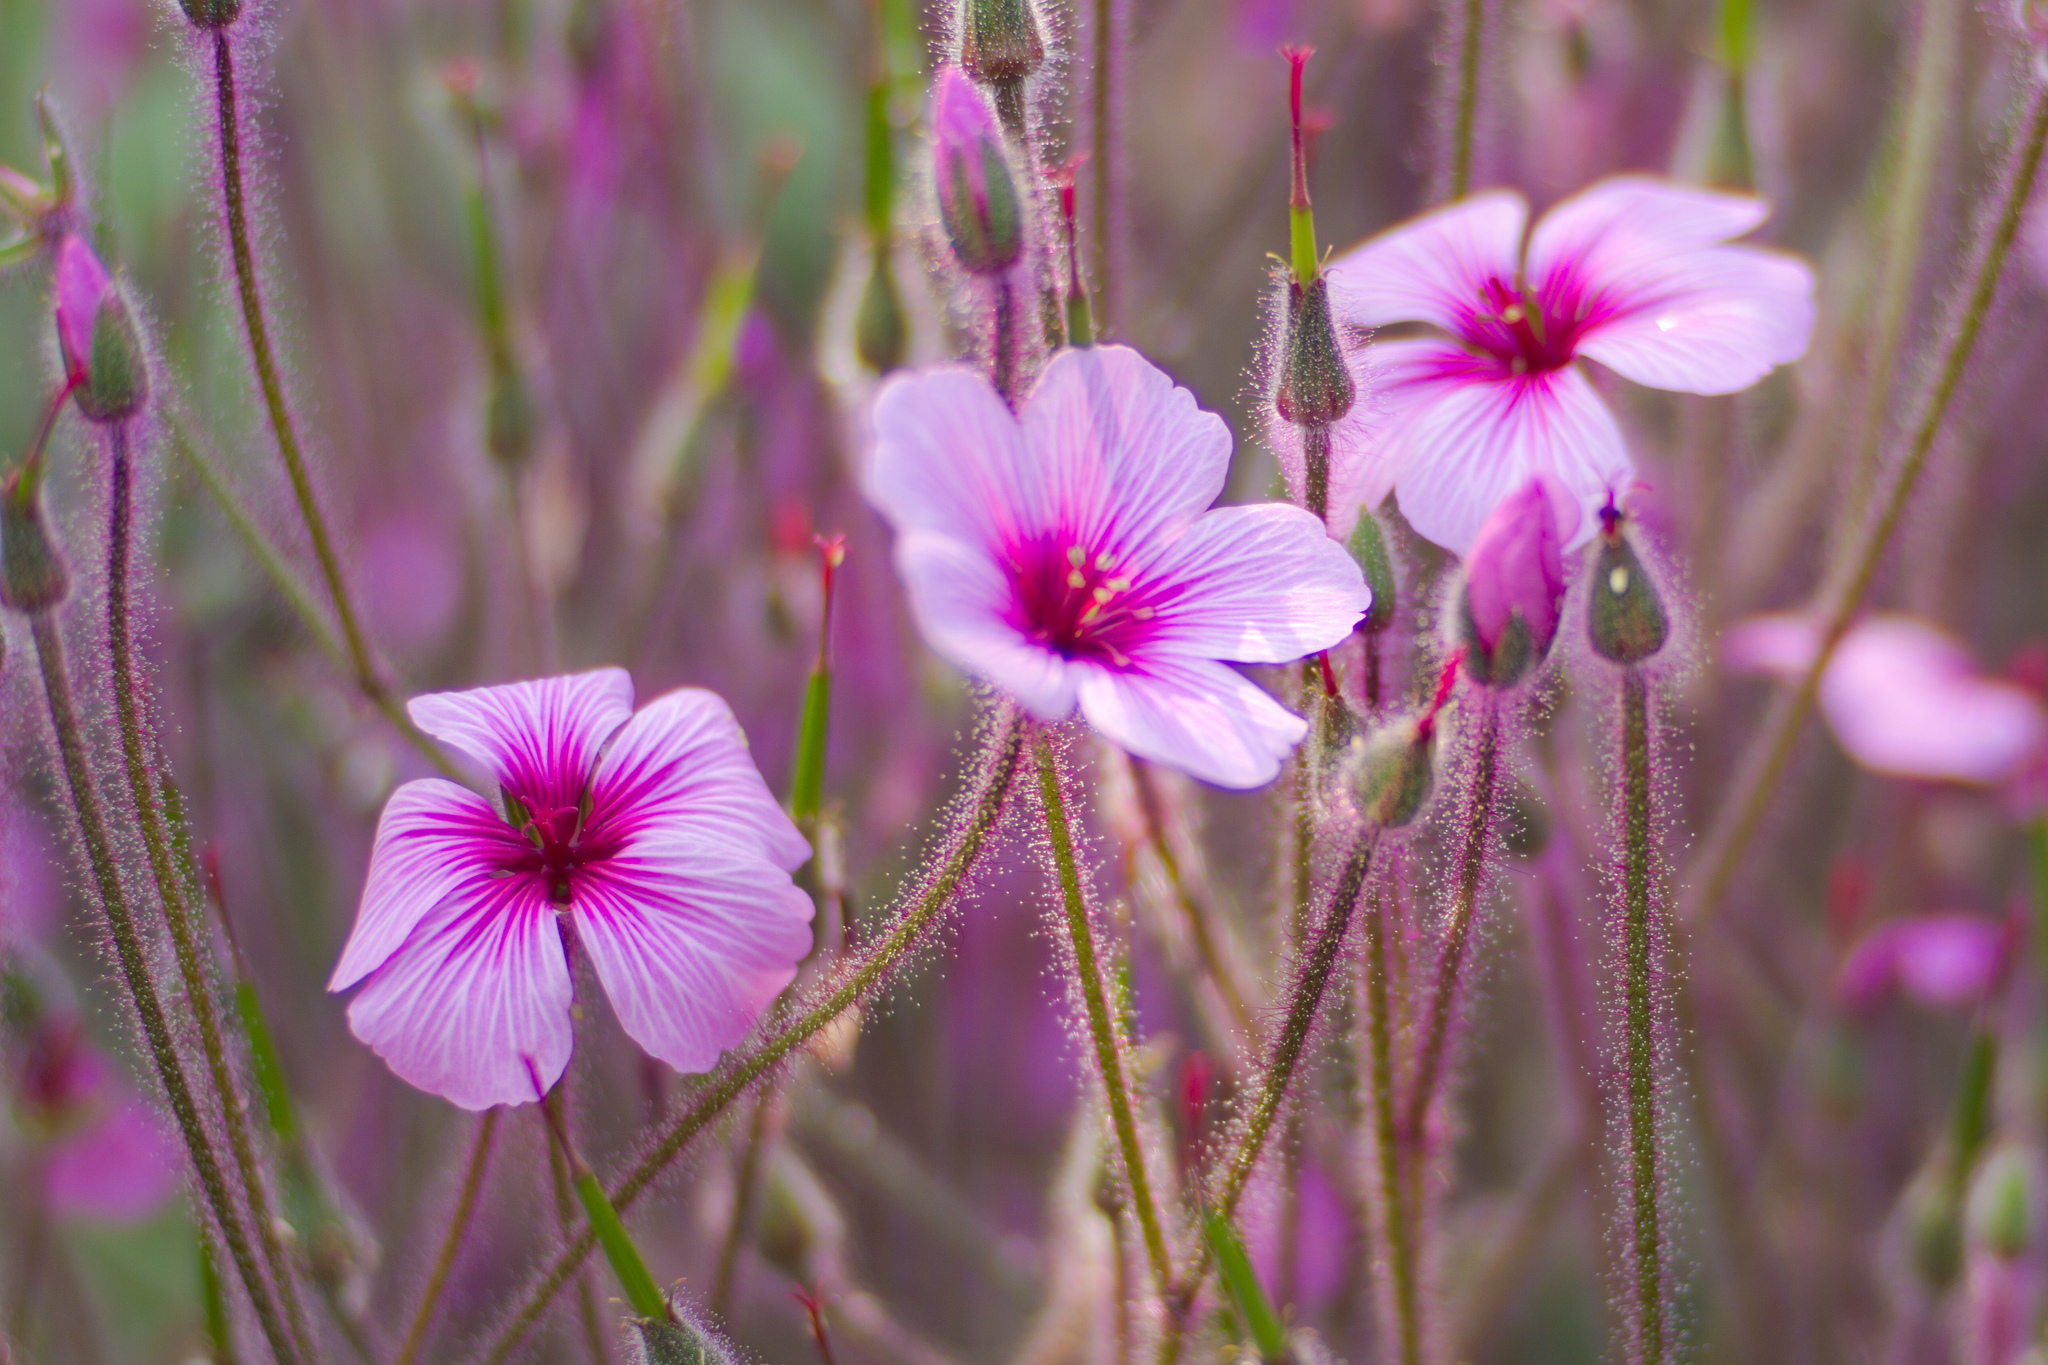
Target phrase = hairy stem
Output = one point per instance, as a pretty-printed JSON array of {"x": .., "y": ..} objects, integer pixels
[
  {"x": 1648, "y": 1237},
  {"x": 142, "y": 990},
  {"x": 1198, "y": 912},
  {"x": 1399, "y": 1229},
  {"x": 1003, "y": 342},
  {"x": 1465, "y": 117},
  {"x": 171, "y": 888},
  {"x": 1101, "y": 1024},
  {"x": 745, "y": 1185},
  {"x": 565, "y": 1216},
  {"x": 451, "y": 1245},
  {"x": 1742, "y": 811},
  {"x": 862, "y": 977}
]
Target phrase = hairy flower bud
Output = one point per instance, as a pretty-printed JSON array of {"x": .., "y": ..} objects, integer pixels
[
  {"x": 1315, "y": 384},
  {"x": 677, "y": 1341},
  {"x": 978, "y": 199},
  {"x": 212, "y": 14},
  {"x": 1395, "y": 770},
  {"x": 32, "y": 573},
  {"x": 1514, "y": 589},
  {"x": 1626, "y": 616},
  {"x": 1376, "y": 562},
  {"x": 1001, "y": 41},
  {"x": 103, "y": 354}
]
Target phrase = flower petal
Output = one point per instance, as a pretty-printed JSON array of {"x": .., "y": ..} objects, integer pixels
[
  {"x": 1781, "y": 645},
  {"x": 963, "y": 603},
  {"x": 1432, "y": 268},
  {"x": 540, "y": 739},
  {"x": 1638, "y": 261},
  {"x": 692, "y": 939},
  {"x": 1257, "y": 584},
  {"x": 1903, "y": 698},
  {"x": 1464, "y": 438},
  {"x": 478, "y": 990},
  {"x": 432, "y": 837},
  {"x": 681, "y": 766},
  {"x": 121, "y": 1168},
  {"x": 1196, "y": 715},
  {"x": 946, "y": 455}
]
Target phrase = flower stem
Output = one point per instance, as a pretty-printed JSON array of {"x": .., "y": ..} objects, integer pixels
[
  {"x": 171, "y": 888},
  {"x": 1399, "y": 1229},
  {"x": 1101, "y": 1025},
  {"x": 244, "y": 257},
  {"x": 1641, "y": 1010},
  {"x": 1195, "y": 907},
  {"x": 1105, "y": 117},
  {"x": 1458, "y": 931},
  {"x": 1003, "y": 342},
  {"x": 1742, "y": 812},
  {"x": 451, "y": 1245},
  {"x": 863, "y": 975},
  {"x": 142, "y": 990},
  {"x": 1465, "y": 119},
  {"x": 1315, "y": 446},
  {"x": 745, "y": 1187},
  {"x": 565, "y": 1216}
]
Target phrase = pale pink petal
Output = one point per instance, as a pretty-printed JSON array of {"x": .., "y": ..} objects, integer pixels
[
  {"x": 947, "y": 454},
  {"x": 1636, "y": 263},
  {"x": 1940, "y": 961},
  {"x": 1434, "y": 268},
  {"x": 479, "y": 990},
  {"x": 963, "y": 603},
  {"x": 540, "y": 739},
  {"x": 1904, "y": 699},
  {"x": 1515, "y": 566},
  {"x": 121, "y": 1168},
  {"x": 1464, "y": 437},
  {"x": 692, "y": 939},
  {"x": 1780, "y": 645},
  {"x": 1258, "y": 584},
  {"x": 681, "y": 767},
  {"x": 81, "y": 285},
  {"x": 1196, "y": 715},
  {"x": 432, "y": 837}
]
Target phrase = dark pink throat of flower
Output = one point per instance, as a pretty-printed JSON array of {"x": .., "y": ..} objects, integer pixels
[
  {"x": 1526, "y": 332},
  {"x": 558, "y": 841},
  {"x": 1079, "y": 604}
]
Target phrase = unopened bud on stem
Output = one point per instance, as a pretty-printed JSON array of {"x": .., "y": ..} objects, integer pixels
[
  {"x": 1394, "y": 768},
  {"x": 104, "y": 359},
  {"x": 1001, "y": 45},
  {"x": 1514, "y": 589},
  {"x": 212, "y": 14},
  {"x": 979, "y": 205},
  {"x": 1626, "y": 616},
  {"x": 1315, "y": 384},
  {"x": 1369, "y": 549},
  {"x": 32, "y": 573}
]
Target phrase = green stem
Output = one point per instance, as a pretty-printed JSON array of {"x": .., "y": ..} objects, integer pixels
[
  {"x": 807, "y": 785},
  {"x": 1101, "y": 1025},
  {"x": 220, "y": 1332},
  {"x": 1394, "y": 1203},
  {"x": 142, "y": 990},
  {"x": 1315, "y": 450},
  {"x": 1103, "y": 155},
  {"x": 864, "y": 975},
  {"x": 171, "y": 888},
  {"x": 1234, "y": 1268},
  {"x": 1742, "y": 813},
  {"x": 1458, "y": 931},
  {"x": 1003, "y": 342},
  {"x": 642, "y": 1293},
  {"x": 451, "y": 1245},
  {"x": 1641, "y": 1008},
  {"x": 565, "y": 1215},
  {"x": 1467, "y": 112},
  {"x": 745, "y": 1184}
]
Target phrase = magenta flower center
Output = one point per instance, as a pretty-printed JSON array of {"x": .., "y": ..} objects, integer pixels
[
  {"x": 558, "y": 841},
  {"x": 1078, "y": 603},
  {"x": 1528, "y": 333}
]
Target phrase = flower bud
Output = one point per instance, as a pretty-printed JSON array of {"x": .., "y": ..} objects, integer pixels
[
  {"x": 978, "y": 200},
  {"x": 212, "y": 14},
  {"x": 32, "y": 573},
  {"x": 677, "y": 1341},
  {"x": 1626, "y": 617},
  {"x": 62, "y": 186},
  {"x": 1394, "y": 770},
  {"x": 1934, "y": 1234},
  {"x": 1001, "y": 41},
  {"x": 1315, "y": 384},
  {"x": 1376, "y": 562},
  {"x": 102, "y": 351},
  {"x": 1514, "y": 589},
  {"x": 2001, "y": 1213},
  {"x": 881, "y": 335}
]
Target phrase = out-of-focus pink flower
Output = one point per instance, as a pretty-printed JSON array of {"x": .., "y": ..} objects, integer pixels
[
  {"x": 1515, "y": 567},
  {"x": 1634, "y": 273},
  {"x": 651, "y": 835},
  {"x": 107, "y": 1153},
  {"x": 1939, "y": 961},
  {"x": 1068, "y": 554},
  {"x": 1903, "y": 697},
  {"x": 978, "y": 202},
  {"x": 82, "y": 286}
]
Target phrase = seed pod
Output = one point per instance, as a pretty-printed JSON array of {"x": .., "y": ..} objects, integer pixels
[
  {"x": 1001, "y": 41},
  {"x": 212, "y": 14},
  {"x": 1626, "y": 616},
  {"x": 1393, "y": 771},
  {"x": 677, "y": 1341},
  {"x": 881, "y": 336},
  {"x": 1315, "y": 385},
  {"x": 32, "y": 573},
  {"x": 978, "y": 200},
  {"x": 1369, "y": 549}
]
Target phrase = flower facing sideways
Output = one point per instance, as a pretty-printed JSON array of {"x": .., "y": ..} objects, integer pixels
[
  {"x": 1634, "y": 273},
  {"x": 1068, "y": 555},
  {"x": 650, "y": 838}
]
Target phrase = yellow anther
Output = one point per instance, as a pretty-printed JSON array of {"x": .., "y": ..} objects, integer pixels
[
  {"x": 1074, "y": 580},
  {"x": 1076, "y": 556}
]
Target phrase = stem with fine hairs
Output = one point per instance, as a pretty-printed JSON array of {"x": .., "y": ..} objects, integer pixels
[
  {"x": 1466, "y": 116},
  {"x": 1387, "y": 1147},
  {"x": 451, "y": 1245},
  {"x": 1647, "y": 1237},
  {"x": 1102, "y": 1026},
  {"x": 1003, "y": 341},
  {"x": 1196, "y": 908}
]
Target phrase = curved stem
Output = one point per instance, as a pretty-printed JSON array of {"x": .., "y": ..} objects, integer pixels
[
  {"x": 156, "y": 1031},
  {"x": 171, "y": 888},
  {"x": 458, "y": 1228},
  {"x": 867, "y": 973},
  {"x": 1742, "y": 812},
  {"x": 1101, "y": 1025},
  {"x": 1648, "y": 1238}
]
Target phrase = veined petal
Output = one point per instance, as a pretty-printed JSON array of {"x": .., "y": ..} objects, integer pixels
[
  {"x": 946, "y": 456},
  {"x": 1117, "y": 452},
  {"x": 479, "y": 989},
  {"x": 964, "y": 606},
  {"x": 1257, "y": 584},
  {"x": 1465, "y": 437},
  {"x": 1432, "y": 268},
  {"x": 1607, "y": 228},
  {"x": 1196, "y": 715},
  {"x": 432, "y": 838},
  {"x": 681, "y": 766},
  {"x": 692, "y": 940},
  {"x": 541, "y": 738}
]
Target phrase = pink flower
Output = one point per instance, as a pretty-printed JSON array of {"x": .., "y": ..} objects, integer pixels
[
  {"x": 108, "y": 1155},
  {"x": 82, "y": 286},
  {"x": 1068, "y": 555},
  {"x": 978, "y": 203},
  {"x": 651, "y": 836},
  {"x": 1902, "y": 697},
  {"x": 1939, "y": 961},
  {"x": 1515, "y": 572},
  {"x": 1633, "y": 273}
]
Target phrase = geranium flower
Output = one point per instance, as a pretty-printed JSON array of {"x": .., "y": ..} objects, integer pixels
[
  {"x": 1068, "y": 554},
  {"x": 651, "y": 837},
  {"x": 1633, "y": 273},
  {"x": 106, "y": 1153}
]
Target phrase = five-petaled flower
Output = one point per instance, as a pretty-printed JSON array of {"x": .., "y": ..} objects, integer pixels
[
  {"x": 1068, "y": 554},
  {"x": 650, "y": 837},
  {"x": 1634, "y": 272}
]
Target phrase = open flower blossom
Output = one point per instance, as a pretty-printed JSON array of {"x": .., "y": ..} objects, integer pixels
[
  {"x": 1068, "y": 554},
  {"x": 1634, "y": 272},
  {"x": 649, "y": 837},
  {"x": 1903, "y": 697}
]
